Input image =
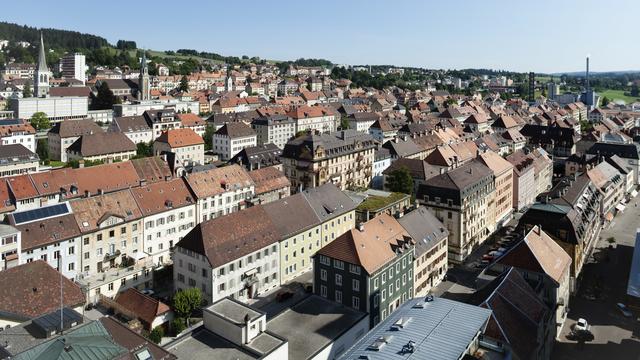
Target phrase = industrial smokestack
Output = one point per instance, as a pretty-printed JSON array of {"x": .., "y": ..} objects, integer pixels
[{"x": 588, "y": 75}]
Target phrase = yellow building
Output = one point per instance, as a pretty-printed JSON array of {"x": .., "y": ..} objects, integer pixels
[{"x": 307, "y": 221}]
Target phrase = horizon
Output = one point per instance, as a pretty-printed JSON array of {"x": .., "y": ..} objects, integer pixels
[{"x": 474, "y": 38}]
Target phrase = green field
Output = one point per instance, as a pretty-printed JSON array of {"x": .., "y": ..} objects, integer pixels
[{"x": 618, "y": 95}]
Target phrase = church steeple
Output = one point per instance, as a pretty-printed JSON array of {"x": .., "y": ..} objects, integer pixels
[
  {"x": 143, "y": 80},
  {"x": 42, "y": 75}
]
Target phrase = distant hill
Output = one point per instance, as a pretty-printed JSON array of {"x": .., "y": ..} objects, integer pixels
[
  {"x": 597, "y": 73},
  {"x": 61, "y": 39}
]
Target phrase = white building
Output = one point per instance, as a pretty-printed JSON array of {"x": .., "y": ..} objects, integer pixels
[
  {"x": 73, "y": 66},
  {"x": 169, "y": 213},
  {"x": 220, "y": 191},
  {"x": 275, "y": 129},
  {"x": 56, "y": 108},
  {"x": 231, "y": 138},
  {"x": 235, "y": 255},
  {"x": 50, "y": 234},
  {"x": 135, "y": 127},
  {"x": 10, "y": 246},
  {"x": 187, "y": 146},
  {"x": 16, "y": 131}
]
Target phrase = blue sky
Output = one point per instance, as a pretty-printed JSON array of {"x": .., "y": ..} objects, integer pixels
[{"x": 541, "y": 36}]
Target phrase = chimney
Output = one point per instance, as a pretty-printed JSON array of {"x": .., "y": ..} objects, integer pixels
[
  {"x": 100, "y": 191},
  {"x": 87, "y": 193},
  {"x": 143, "y": 182},
  {"x": 360, "y": 226},
  {"x": 80, "y": 164}
]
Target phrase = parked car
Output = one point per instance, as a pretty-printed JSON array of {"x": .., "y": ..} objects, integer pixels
[
  {"x": 284, "y": 296},
  {"x": 148, "y": 292},
  {"x": 582, "y": 325},
  {"x": 624, "y": 310}
]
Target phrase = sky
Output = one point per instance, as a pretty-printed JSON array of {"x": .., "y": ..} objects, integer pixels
[{"x": 542, "y": 36}]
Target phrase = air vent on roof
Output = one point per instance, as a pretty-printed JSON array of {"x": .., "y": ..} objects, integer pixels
[
  {"x": 400, "y": 323},
  {"x": 380, "y": 342}
]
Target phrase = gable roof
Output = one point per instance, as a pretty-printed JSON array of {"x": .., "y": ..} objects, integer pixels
[
  {"x": 227, "y": 238},
  {"x": 292, "y": 215},
  {"x": 539, "y": 253},
  {"x": 180, "y": 137},
  {"x": 424, "y": 228},
  {"x": 143, "y": 306},
  {"x": 74, "y": 128},
  {"x": 161, "y": 196},
  {"x": 373, "y": 246},
  {"x": 101, "y": 144},
  {"x": 216, "y": 181},
  {"x": 91, "y": 212},
  {"x": 269, "y": 179},
  {"x": 236, "y": 130},
  {"x": 28, "y": 290}
]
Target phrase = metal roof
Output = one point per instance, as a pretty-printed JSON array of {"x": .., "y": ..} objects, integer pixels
[
  {"x": 441, "y": 329},
  {"x": 633, "y": 287}
]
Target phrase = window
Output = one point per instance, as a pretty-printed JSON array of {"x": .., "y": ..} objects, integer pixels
[
  {"x": 355, "y": 284},
  {"x": 86, "y": 241},
  {"x": 71, "y": 266},
  {"x": 375, "y": 283},
  {"x": 123, "y": 230},
  {"x": 338, "y": 280},
  {"x": 181, "y": 278},
  {"x": 72, "y": 250},
  {"x": 339, "y": 296},
  {"x": 325, "y": 260},
  {"x": 323, "y": 291},
  {"x": 110, "y": 287},
  {"x": 99, "y": 237},
  {"x": 323, "y": 274},
  {"x": 338, "y": 264},
  {"x": 355, "y": 302},
  {"x": 355, "y": 269}
]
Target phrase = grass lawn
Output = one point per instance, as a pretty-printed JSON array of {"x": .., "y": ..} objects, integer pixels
[
  {"x": 54, "y": 163},
  {"x": 618, "y": 95}
]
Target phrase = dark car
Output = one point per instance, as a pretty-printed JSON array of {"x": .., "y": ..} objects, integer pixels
[{"x": 284, "y": 296}]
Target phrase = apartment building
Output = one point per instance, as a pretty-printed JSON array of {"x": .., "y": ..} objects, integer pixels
[
  {"x": 65, "y": 133},
  {"x": 16, "y": 159},
  {"x": 103, "y": 146},
  {"x": 503, "y": 183},
  {"x": 169, "y": 213},
  {"x": 322, "y": 119},
  {"x": 236, "y": 255},
  {"x": 16, "y": 131},
  {"x": 161, "y": 120},
  {"x": 344, "y": 158},
  {"x": 461, "y": 200},
  {"x": 275, "y": 129},
  {"x": 49, "y": 233},
  {"x": 135, "y": 127},
  {"x": 111, "y": 228},
  {"x": 369, "y": 269},
  {"x": 231, "y": 138},
  {"x": 220, "y": 191},
  {"x": 187, "y": 146},
  {"x": 10, "y": 246},
  {"x": 431, "y": 260}
]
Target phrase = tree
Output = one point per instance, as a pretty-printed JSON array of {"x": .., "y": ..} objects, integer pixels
[
  {"x": 635, "y": 92},
  {"x": 184, "y": 84},
  {"x": 400, "y": 180},
  {"x": 208, "y": 137},
  {"x": 156, "y": 334},
  {"x": 26, "y": 92},
  {"x": 105, "y": 98},
  {"x": 40, "y": 121},
  {"x": 186, "y": 301},
  {"x": 178, "y": 325},
  {"x": 42, "y": 150},
  {"x": 605, "y": 101},
  {"x": 144, "y": 149},
  {"x": 344, "y": 123}
]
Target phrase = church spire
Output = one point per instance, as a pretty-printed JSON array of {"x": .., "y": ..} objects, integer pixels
[
  {"x": 144, "y": 92},
  {"x": 42, "y": 57}
]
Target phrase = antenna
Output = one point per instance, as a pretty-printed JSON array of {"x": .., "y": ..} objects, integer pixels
[{"x": 61, "y": 296}]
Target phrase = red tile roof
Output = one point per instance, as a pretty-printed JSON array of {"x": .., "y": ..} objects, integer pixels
[
  {"x": 144, "y": 307},
  {"x": 180, "y": 138}
]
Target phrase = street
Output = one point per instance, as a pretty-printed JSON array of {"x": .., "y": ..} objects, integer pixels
[{"x": 604, "y": 280}]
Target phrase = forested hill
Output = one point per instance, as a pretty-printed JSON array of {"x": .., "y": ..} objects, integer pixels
[{"x": 54, "y": 38}]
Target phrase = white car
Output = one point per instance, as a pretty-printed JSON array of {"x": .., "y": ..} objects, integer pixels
[{"x": 582, "y": 325}]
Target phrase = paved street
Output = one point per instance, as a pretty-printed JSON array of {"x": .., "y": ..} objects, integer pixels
[{"x": 605, "y": 276}]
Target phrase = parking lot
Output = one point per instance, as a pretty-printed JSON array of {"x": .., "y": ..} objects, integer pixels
[{"x": 603, "y": 284}]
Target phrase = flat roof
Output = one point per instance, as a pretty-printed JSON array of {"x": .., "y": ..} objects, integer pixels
[
  {"x": 441, "y": 329},
  {"x": 633, "y": 286},
  {"x": 205, "y": 345},
  {"x": 312, "y": 324},
  {"x": 233, "y": 310}
]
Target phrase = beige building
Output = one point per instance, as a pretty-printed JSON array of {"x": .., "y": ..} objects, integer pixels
[
  {"x": 111, "y": 227},
  {"x": 344, "y": 158},
  {"x": 503, "y": 179},
  {"x": 105, "y": 146},
  {"x": 65, "y": 133},
  {"x": 461, "y": 199},
  {"x": 430, "y": 263},
  {"x": 16, "y": 159},
  {"x": 187, "y": 146},
  {"x": 220, "y": 191}
]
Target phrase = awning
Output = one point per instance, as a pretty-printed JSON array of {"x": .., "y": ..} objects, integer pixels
[
  {"x": 634, "y": 193},
  {"x": 620, "y": 207},
  {"x": 251, "y": 272},
  {"x": 609, "y": 216}
]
